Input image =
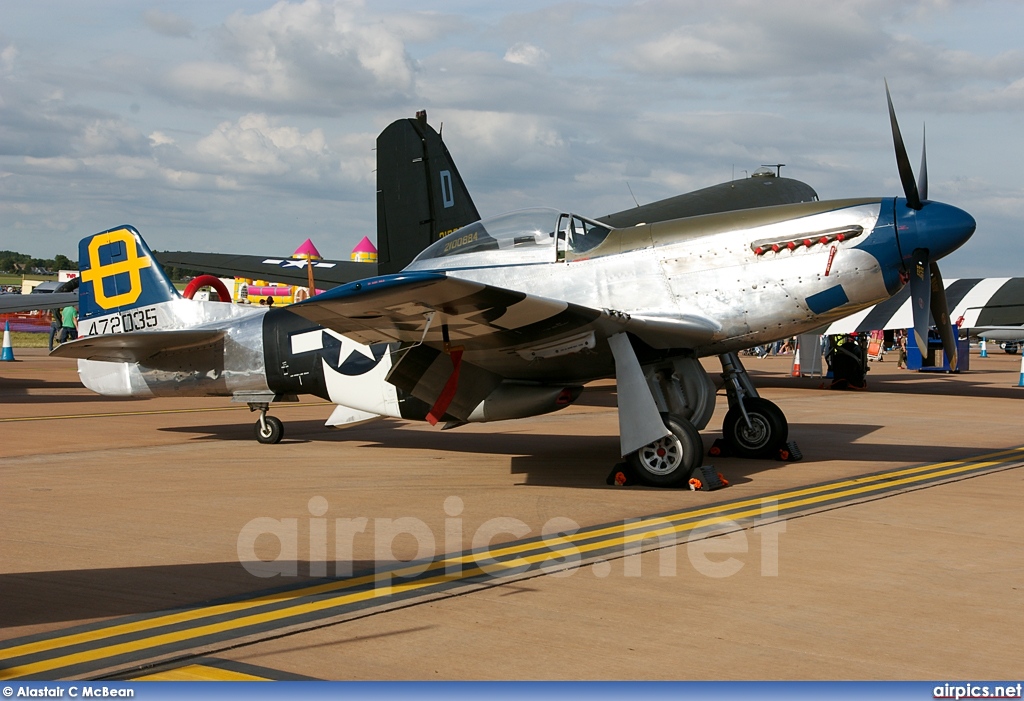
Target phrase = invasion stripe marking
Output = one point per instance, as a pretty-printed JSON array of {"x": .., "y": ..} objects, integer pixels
[
  {"x": 879, "y": 315},
  {"x": 583, "y": 542},
  {"x": 955, "y": 292},
  {"x": 982, "y": 302},
  {"x": 1006, "y": 306},
  {"x": 971, "y": 306}
]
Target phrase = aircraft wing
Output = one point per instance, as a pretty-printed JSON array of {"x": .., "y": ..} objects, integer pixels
[
  {"x": 28, "y": 303},
  {"x": 326, "y": 273},
  {"x": 434, "y": 308},
  {"x": 139, "y": 346},
  {"x": 999, "y": 333},
  {"x": 494, "y": 334}
]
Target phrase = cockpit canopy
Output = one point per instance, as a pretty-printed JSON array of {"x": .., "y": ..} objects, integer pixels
[{"x": 527, "y": 235}]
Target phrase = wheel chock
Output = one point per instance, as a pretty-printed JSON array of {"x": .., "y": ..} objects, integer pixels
[
  {"x": 705, "y": 479},
  {"x": 789, "y": 453},
  {"x": 622, "y": 475},
  {"x": 720, "y": 448}
]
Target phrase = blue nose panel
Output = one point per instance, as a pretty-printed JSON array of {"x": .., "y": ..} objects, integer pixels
[{"x": 827, "y": 300}]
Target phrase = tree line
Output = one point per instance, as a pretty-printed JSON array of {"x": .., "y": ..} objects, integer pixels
[
  {"x": 20, "y": 263},
  {"x": 24, "y": 264}
]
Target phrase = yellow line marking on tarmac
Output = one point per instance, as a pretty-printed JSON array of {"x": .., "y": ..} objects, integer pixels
[
  {"x": 199, "y": 673},
  {"x": 562, "y": 546},
  {"x": 153, "y": 412}
]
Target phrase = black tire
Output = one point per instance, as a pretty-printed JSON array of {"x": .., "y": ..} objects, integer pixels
[
  {"x": 1010, "y": 348},
  {"x": 669, "y": 461},
  {"x": 768, "y": 431},
  {"x": 274, "y": 432}
]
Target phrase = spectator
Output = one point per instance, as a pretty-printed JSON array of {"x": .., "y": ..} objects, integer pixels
[
  {"x": 55, "y": 324},
  {"x": 69, "y": 324},
  {"x": 901, "y": 342}
]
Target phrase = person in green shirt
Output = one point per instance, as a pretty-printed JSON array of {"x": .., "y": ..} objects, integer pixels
[{"x": 69, "y": 324}]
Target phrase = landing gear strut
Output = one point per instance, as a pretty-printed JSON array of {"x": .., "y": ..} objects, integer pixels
[
  {"x": 754, "y": 427},
  {"x": 678, "y": 392},
  {"x": 269, "y": 429}
]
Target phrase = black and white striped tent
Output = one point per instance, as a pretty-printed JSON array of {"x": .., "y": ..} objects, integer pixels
[{"x": 973, "y": 303}]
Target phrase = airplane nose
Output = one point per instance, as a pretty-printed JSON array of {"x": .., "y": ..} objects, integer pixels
[{"x": 940, "y": 228}]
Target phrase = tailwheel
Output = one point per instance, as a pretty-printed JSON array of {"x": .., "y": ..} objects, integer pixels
[
  {"x": 668, "y": 461},
  {"x": 767, "y": 431},
  {"x": 269, "y": 429}
]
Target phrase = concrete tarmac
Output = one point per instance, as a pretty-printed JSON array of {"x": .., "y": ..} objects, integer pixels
[{"x": 119, "y": 509}]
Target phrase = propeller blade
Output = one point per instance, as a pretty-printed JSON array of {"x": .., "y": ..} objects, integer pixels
[
  {"x": 940, "y": 312},
  {"x": 922, "y": 183},
  {"x": 921, "y": 296},
  {"x": 902, "y": 160}
]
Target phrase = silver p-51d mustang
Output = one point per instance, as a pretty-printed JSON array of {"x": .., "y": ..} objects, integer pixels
[{"x": 508, "y": 317}]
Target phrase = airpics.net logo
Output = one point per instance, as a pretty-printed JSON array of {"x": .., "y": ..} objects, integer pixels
[
  {"x": 969, "y": 690},
  {"x": 407, "y": 547}
]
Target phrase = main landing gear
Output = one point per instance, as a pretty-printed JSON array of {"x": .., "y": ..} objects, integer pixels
[
  {"x": 754, "y": 427},
  {"x": 685, "y": 397},
  {"x": 668, "y": 461}
]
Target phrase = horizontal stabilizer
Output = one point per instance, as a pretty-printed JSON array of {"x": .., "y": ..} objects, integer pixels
[{"x": 138, "y": 347}]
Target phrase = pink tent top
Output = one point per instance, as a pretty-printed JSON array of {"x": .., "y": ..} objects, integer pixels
[
  {"x": 307, "y": 251},
  {"x": 365, "y": 246}
]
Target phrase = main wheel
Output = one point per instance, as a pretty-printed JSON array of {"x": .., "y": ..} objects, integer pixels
[
  {"x": 767, "y": 432},
  {"x": 668, "y": 461},
  {"x": 272, "y": 433}
]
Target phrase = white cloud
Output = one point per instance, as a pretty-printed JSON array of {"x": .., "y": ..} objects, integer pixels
[
  {"x": 254, "y": 146},
  {"x": 8, "y": 56},
  {"x": 325, "y": 53},
  {"x": 527, "y": 55},
  {"x": 158, "y": 138}
]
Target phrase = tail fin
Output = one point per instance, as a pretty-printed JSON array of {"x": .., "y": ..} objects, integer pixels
[
  {"x": 420, "y": 194},
  {"x": 119, "y": 273}
]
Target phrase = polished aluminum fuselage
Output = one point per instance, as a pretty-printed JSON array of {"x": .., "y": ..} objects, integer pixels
[
  {"x": 234, "y": 364},
  {"x": 707, "y": 267}
]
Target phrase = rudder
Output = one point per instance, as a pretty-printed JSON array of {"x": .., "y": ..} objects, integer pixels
[{"x": 420, "y": 194}]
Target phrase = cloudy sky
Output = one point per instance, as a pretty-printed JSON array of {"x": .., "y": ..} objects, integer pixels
[{"x": 247, "y": 126}]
